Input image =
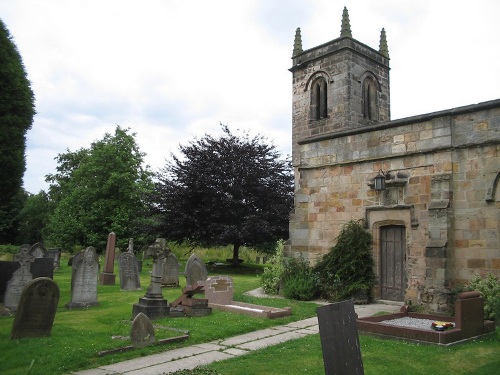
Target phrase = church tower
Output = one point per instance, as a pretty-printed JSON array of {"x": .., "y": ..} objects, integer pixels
[{"x": 338, "y": 86}]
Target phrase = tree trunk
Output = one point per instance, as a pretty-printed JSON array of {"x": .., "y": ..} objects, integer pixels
[{"x": 236, "y": 253}]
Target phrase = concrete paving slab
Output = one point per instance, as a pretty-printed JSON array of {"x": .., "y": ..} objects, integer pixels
[
  {"x": 95, "y": 371},
  {"x": 272, "y": 340},
  {"x": 236, "y": 351},
  {"x": 251, "y": 336},
  {"x": 304, "y": 323}
]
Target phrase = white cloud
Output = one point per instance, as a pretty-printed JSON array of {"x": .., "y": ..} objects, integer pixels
[{"x": 172, "y": 70}]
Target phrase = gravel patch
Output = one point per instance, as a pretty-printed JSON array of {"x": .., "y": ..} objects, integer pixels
[{"x": 410, "y": 323}]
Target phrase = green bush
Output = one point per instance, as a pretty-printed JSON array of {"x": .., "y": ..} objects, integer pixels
[
  {"x": 272, "y": 277},
  {"x": 9, "y": 249},
  {"x": 302, "y": 286},
  {"x": 489, "y": 287},
  {"x": 347, "y": 270}
]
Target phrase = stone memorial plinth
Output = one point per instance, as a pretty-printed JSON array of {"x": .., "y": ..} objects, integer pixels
[
  {"x": 153, "y": 305},
  {"x": 84, "y": 280},
  {"x": 129, "y": 272},
  {"x": 170, "y": 271},
  {"x": 36, "y": 309},
  {"x": 107, "y": 277},
  {"x": 187, "y": 305}
]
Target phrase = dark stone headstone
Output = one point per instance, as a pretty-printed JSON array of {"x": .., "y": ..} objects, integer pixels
[
  {"x": 195, "y": 270},
  {"x": 42, "y": 267},
  {"x": 84, "y": 280},
  {"x": 170, "y": 274},
  {"x": 36, "y": 309},
  {"x": 339, "y": 339},
  {"x": 142, "y": 332},
  {"x": 129, "y": 272},
  {"x": 7, "y": 269}
]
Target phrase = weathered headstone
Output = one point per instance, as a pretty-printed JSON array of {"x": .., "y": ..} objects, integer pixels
[
  {"x": 195, "y": 270},
  {"x": 37, "y": 250},
  {"x": 55, "y": 255},
  {"x": 170, "y": 274},
  {"x": 219, "y": 290},
  {"x": 142, "y": 332},
  {"x": 36, "y": 309},
  {"x": 107, "y": 276},
  {"x": 23, "y": 252},
  {"x": 20, "y": 278},
  {"x": 339, "y": 339},
  {"x": 84, "y": 281},
  {"x": 129, "y": 272}
]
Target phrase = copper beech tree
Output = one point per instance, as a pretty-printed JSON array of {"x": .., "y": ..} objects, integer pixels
[{"x": 231, "y": 190}]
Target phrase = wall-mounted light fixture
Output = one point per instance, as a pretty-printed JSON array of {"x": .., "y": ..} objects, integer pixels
[{"x": 379, "y": 181}]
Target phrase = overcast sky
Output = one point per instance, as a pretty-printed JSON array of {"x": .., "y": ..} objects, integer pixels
[{"x": 172, "y": 70}]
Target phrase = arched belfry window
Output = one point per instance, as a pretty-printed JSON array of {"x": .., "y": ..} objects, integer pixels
[
  {"x": 370, "y": 99},
  {"x": 319, "y": 99}
]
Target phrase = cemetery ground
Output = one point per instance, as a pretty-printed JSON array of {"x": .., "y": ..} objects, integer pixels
[{"x": 79, "y": 334}]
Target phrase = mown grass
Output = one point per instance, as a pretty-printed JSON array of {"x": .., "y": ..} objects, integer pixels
[{"x": 79, "y": 334}]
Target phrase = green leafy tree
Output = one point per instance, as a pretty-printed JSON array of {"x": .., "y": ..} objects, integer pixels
[
  {"x": 34, "y": 217},
  {"x": 97, "y": 191},
  {"x": 17, "y": 109},
  {"x": 229, "y": 190}
]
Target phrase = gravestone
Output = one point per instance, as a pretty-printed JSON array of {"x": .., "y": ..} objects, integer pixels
[
  {"x": 20, "y": 278},
  {"x": 42, "y": 267},
  {"x": 55, "y": 255},
  {"x": 7, "y": 269},
  {"x": 339, "y": 339},
  {"x": 195, "y": 270},
  {"x": 37, "y": 250},
  {"x": 219, "y": 290},
  {"x": 142, "y": 332},
  {"x": 36, "y": 309},
  {"x": 187, "y": 305},
  {"x": 107, "y": 277},
  {"x": 129, "y": 272},
  {"x": 84, "y": 281},
  {"x": 153, "y": 305},
  {"x": 23, "y": 252},
  {"x": 170, "y": 271}
]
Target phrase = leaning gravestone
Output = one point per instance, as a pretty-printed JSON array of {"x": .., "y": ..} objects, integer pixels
[
  {"x": 195, "y": 270},
  {"x": 170, "y": 270},
  {"x": 339, "y": 339},
  {"x": 84, "y": 281},
  {"x": 142, "y": 332},
  {"x": 129, "y": 272},
  {"x": 36, "y": 309},
  {"x": 20, "y": 278}
]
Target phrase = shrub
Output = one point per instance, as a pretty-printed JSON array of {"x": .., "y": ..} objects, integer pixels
[
  {"x": 302, "y": 286},
  {"x": 272, "y": 277},
  {"x": 347, "y": 269},
  {"x": 489, "y": 287}
]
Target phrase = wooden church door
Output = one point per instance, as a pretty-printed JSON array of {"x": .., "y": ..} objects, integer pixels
[{"x": 393, "y": 256}]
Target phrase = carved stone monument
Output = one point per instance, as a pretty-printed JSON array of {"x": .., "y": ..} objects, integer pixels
[
  {"x": 142, "y": 332},
  {"x": 152, "y": 304},
  {"x": 107, "y": 277},
  {"x": 170, "y": 274},
  {"x": 195, "y": 270},
  {"x": 129, "y": 272},
  {"x": 38, "y": 250},
  {"x": 219, "y": 290},
  {"x": 36, "y": 309},
  {"x": 84, "y": 280},
  {"x": 20, "y": 278}
]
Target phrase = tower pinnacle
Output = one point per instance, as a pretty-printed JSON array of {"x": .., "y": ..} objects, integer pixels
[
  {"x": 297, "y": 43},
  {"x": 383, "y": 49},
  {"x": 346, "y": 26}
]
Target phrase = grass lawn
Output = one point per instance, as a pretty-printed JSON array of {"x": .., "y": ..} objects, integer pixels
[{"x": 78, "y": 335}]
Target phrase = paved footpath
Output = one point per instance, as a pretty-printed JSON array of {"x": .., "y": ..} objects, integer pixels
[{"x": 203, "y": 354}]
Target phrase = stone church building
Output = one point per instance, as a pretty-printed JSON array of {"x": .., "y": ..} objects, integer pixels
[{"x": 427, "y": 187}]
